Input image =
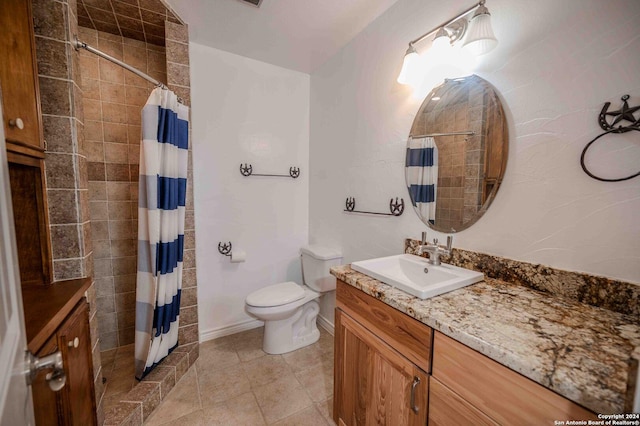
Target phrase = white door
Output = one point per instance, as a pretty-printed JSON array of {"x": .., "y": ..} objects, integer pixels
[{"x": 16, "y": 407}]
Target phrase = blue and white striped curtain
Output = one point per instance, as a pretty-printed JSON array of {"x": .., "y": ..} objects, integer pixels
[
  {"x": 161, "y": 211},
  {"x": 421, "y": 172}
]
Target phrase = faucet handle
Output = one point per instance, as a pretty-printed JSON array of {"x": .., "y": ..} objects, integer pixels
[{"x": 449, "y": 242}]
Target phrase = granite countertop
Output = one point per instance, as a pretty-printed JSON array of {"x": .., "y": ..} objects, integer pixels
[{"x": 582, "y": 352}]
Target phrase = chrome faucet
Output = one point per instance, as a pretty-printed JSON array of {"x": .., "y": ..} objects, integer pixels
[{"x": 435, "y": 250}]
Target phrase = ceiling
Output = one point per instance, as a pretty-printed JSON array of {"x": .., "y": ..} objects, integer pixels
[
  {"x": 137, "y": 19},
  {"x": 295, "y": 34}
]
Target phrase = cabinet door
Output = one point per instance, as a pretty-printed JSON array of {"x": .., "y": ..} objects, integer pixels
[
  {"x": 19, "y": 78},
  {"x": 75, "y": 343},
  {"x": 46, "y": 402},
  {"x": 374, "y": 383}
]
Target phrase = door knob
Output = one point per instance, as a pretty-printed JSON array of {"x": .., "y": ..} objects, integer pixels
[
  {"x": 56, "y": 379},
  {"x": 74, "y": 343},
  {"x": 17, "y": 122}
]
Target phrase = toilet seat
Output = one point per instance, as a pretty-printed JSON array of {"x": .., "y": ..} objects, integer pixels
[{"x": 276, "y": 295}]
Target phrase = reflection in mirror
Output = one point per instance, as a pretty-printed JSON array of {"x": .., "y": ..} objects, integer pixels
[{"x": 456, "y": 153}]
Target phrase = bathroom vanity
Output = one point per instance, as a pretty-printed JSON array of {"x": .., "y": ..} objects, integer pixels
[{"x": 490, "y": 353}]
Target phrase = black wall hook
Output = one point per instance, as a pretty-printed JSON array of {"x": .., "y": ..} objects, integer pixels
[
  {"x": 396, "y": 208},
  {"x": 625, "y": 113},
  {"x": 247, "y": 170},
  {"x": 225, "y": 249}
]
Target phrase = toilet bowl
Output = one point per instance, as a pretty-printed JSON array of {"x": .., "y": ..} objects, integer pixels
[{"x": 290, "y": 310}]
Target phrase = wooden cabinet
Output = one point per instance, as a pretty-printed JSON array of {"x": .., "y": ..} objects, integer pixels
[
  {"x": 74, "y": 404},
  {"x": 377, "y": 380},
  {"x": 446, "y": 408},
  {"x": 22, "y": 123},
  {"x": 19, "y": 79},
  {"x": 379, "y": 351},
  {"x": 493, "y": 389},
  {"x": 30, "y": 222},
  {"x": 377, "y": 384}
]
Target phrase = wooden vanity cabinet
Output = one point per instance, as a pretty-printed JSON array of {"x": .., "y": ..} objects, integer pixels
[
  {"x": 19, "y": 79},
  {"x": 469, "y": 384},
  {"x": 381, "y": 363},
  {"x": 379, "y": 351},
  {"x": 74, "y": 404}
]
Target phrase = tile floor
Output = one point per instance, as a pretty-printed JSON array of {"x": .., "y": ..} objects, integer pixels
[
  {"x": 235, "y": 383},
  {"x": 117, "y": 369}
]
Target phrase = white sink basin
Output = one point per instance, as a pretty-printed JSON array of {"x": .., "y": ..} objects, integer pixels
[{"x": 416, "y": 276}]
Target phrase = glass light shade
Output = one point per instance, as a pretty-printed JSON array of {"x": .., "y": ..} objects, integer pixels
[
  {"x": 410, "y": 67},
  {"x": 480, "y": 38}
]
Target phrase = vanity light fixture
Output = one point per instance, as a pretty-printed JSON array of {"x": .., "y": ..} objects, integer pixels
[{"x": 479, "y": 40}]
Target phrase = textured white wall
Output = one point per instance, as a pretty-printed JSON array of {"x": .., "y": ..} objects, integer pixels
[
  {"x": 246, "y": 111},
  {"x": 556, "y": 64}
]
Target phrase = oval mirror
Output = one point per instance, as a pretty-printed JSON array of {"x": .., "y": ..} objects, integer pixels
[{"x": 456, "y": 153}]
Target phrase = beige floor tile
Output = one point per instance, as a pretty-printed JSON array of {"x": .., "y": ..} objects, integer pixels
[
  {"x": 182, "y": 400},
  {"x": 216, "y": 355},
  {"x": 325, "y": 342},
  {"x": 266, "y": 369},
  {"x": 309, "y": 417},
  {"x": 249, "y": 344},
  {"x": 238, "y": 411},
  {"x": 306, "y": 357},
  {"x": 317, "y": 381},
  {"x": 326, "y": 409},
  {"x": 281, "y": 398},
  {"x": 195, "y": 418},
  {"x": 218, "y": 385},
  {"x": 107, "y": 357}
]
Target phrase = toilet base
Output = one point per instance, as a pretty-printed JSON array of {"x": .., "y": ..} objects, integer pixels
[{"x": 286, "y": 335}]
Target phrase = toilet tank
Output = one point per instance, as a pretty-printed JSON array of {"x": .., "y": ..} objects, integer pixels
[{"x": 316, "y": 261}]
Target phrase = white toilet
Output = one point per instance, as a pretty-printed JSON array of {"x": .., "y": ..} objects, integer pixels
[{"x": 289, "y": 310}]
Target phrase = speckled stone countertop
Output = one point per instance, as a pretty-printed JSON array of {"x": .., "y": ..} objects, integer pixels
[{"x": 582, "y": 352}]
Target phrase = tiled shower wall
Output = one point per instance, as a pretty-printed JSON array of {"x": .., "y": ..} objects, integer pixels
[
  {"x": 55, "y": 24},
  {"x": 113, "y": 99},
  {"x": 177, "y": 42}
]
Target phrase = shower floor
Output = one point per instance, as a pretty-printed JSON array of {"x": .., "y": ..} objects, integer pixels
[{"x": 118, "y": 370}]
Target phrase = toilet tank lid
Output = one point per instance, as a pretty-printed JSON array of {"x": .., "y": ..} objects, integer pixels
[{"x": 321, "y": 252}]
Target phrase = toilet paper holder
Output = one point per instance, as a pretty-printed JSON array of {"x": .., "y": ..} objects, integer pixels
[{"x": 225, "y": 248}]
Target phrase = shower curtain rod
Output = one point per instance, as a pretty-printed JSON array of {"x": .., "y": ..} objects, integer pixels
[
  {"x": 466, "y": 132},
  {"x": 83, "y": 45}
]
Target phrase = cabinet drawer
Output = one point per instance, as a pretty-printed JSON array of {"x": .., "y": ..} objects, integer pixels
[
  {"x": 396, "y": 329},
  {"x": 448, "y": 409},
  {"x": 502, "y": 394}
]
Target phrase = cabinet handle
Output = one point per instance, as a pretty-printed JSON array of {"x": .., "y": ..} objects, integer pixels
[
  {"x": 17, "y": 122},
  {"x": 74, "y": 343},
  {"x": 416, "y": 382}
]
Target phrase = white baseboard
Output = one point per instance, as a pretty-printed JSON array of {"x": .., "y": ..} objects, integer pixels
[
  {"x": 229, "y": 329},
  {"x": 326, "y": 324},
  {"x": 251, "y": 324}
]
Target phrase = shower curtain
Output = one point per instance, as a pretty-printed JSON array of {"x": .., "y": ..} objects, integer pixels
[
  {"x": 421, "y": 173},
  {"x": 161, "y": 211}
]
